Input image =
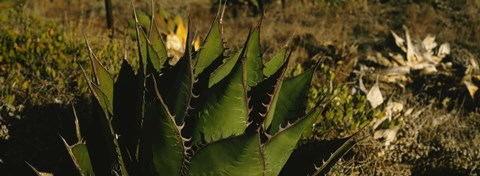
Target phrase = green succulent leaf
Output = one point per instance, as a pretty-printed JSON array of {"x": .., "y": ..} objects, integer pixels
[
  {"x": 223, "y": 70},
  {"x": 180, "y": 91},
  {"x": 143, "y": 45},
  {"x": 275, "y": 63},
  {"x": 238, "y": 155},
  {"x": 159, "y": 55},
  {"x": 225, "y": 110},
  {"x": 162, "y": 146},
  {"x": 106, "y": 104},
  {"x": 339, "y": 153},
  {"x": 99, "y": 95},
  {"x": 103, "y": 79},
  {"x": 310, "y": 153},
  {"x": 291, "y": 101},
  {"x": 254, "y": 65},
  {"x": 279, "y": 75},
  {"x": 128, "y": 116},
  {"x": 211, "y": 49},
  {"x": 142, "y": 70},
  {"x": 80, "y": 157},
  {"x": 278, "y": 149},
  {"x": 143, "y": 19}
]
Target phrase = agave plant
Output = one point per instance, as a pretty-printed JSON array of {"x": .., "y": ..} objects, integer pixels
[{"x": 206, "y": 115}]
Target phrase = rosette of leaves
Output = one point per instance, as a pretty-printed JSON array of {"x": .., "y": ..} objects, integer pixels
[{"x": 206, "y": 115}]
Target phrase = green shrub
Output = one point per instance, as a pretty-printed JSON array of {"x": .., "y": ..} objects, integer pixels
[
  {"x": 39, "y": 60},
  {"x": 346, "y": 113},
  {"x": 35, "y": 61}
]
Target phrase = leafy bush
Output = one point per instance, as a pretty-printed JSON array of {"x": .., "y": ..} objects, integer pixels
[
  {"x": 39, "y": 64},
  {"x": 35, "y": 61}
]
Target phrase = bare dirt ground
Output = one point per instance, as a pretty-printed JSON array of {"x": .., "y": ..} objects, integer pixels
[{"x": 437, "y": 139}]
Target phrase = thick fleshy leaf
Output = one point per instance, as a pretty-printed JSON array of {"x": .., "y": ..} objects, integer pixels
[
  {"x": 238, "y": 155},
  {"x": 253, "y": 63},
  {"x": 128, "y": 116},
  {"x": 291, "y": 101},
  {"x": 159, "y": 56},
  {"x": 264, "y": 98},
  {"x": 374, "y": 96},
  {"x": 275, "y": 63},
  {"x": 99, "y": 95},
  {"x": 131, "y": 88},
  {"x": 278, "y": 149},
  {"x": 106, "y": 126},
  {"x": 310, "y": 153},
  {"x": 339, "y": 152},
  {"x": 143, "y": 45},
  {"x": 103, "y": 79},
  {"x": 180, "y": 89},
  {"x": 223, "y": 70},
  {"x": 38, "y": 173},
  {"x": 162, "y": 146},
  {"x": 143, "y": 19},
  {"x": 225, "y": 110},
  {"x": 80, "y": 157},
  {"x": 211, "y": 49}
]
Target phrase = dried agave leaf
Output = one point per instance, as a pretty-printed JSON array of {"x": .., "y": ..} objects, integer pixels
[
  {"x": 392, "y": 109},
  {"x": 474, "y": 65},
  {"x": 408, "y": 112},
  {"x": 400, "y": 80},
  {"x": 477, "y": 77},
  {"x": 388, "y": 135},
  {"x": 382, "y": 60},
  {"x": 444, "y": 50},
  {"x": 472, "y": 88},
  {"x": 397, "y": 75},
  {"x": 398, "y": 58},
  {"x": 374, "y": 96},
  {"x": 399, "y": 41},
  {"x": 399, "y": 70},
  {"x": 429, "y": 69},
  {"x": 361, "y": 86},
  {"x": 421, "y": 66},
  {"x": 429, "y": 43},
  {"x": 436, "y": 59},
  {"x": 397, "y": 79},
  {"x": 411, "y": 55}
]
